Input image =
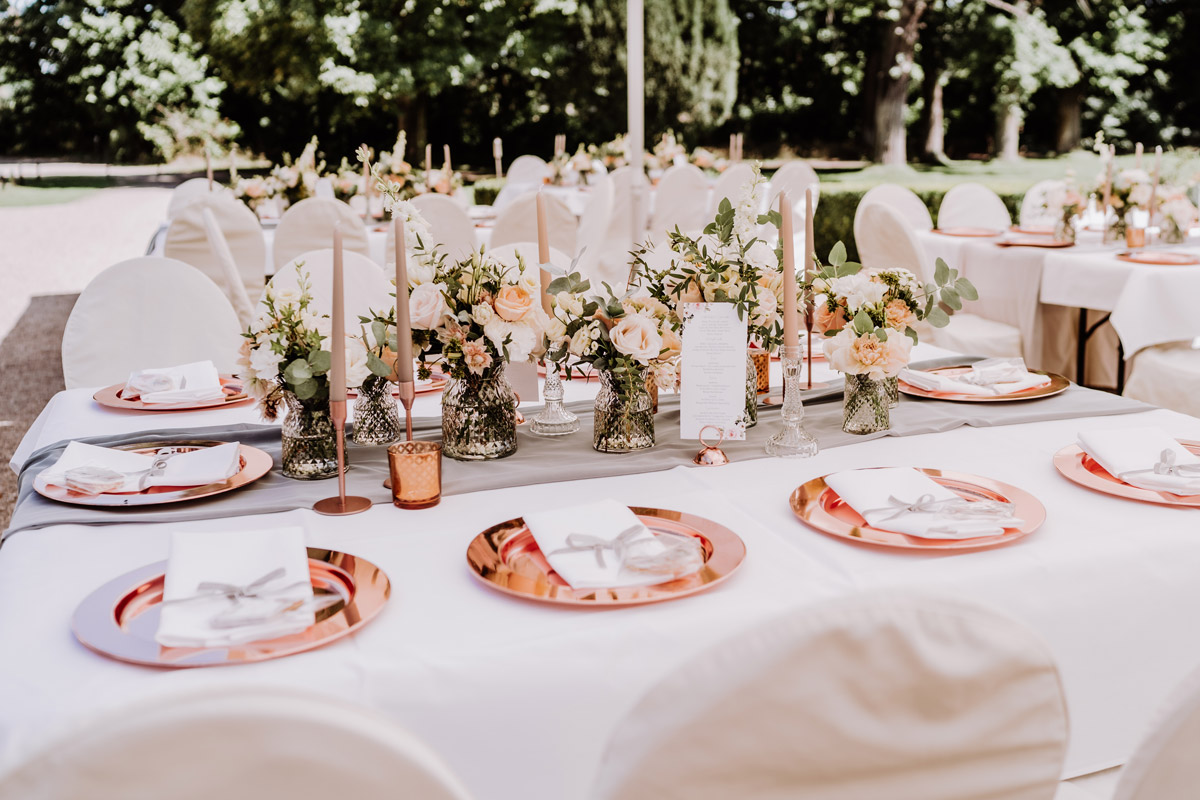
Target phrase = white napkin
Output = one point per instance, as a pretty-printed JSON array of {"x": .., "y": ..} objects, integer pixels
[
  {"x": 990, "y": 377},
  {"x": 188, "y": 383},
  {"x": 602, "y": 521},
  {"x": 237, "y": 558},
  {"x": 1136, "y": 450},
  {"x": 197, "y": 468},
  {"x": 879, "y": 495}
]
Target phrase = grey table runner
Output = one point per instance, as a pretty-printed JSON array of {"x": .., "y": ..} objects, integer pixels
[{"x": 537, "y": 460}]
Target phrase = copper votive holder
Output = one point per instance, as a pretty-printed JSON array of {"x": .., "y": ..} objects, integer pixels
[
  {"x": 762, "y": 369},
  {"x": 416, "y": 469},
  {"x": 1135, "y": 237}
]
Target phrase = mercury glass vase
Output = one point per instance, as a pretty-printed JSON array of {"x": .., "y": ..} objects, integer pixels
[
  {"x": 1114, "y": 229},
  {"x": 376, "y": 420},
  {"x": 866, "y": 408},
  {"x": 751, "y": 390},
  {"x": 479, "y": 417},
  {"x": 1172, "y": 233},
  {"x": 1064, "y": 230},
  {"x": 623, "y": 420},
  {"x": 891, "y": 388},
  {"x": 309, "y": 439}
]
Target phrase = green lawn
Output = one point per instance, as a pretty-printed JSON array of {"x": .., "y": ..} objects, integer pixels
[{"x": 49, "y": 191}]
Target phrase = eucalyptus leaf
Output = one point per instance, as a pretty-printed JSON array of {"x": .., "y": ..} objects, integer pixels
[
  {"x": 951, "y": 298},
  {"x": 319, "y": 361},
  {"x": 967, "y": 289},
  {"x": 863, "y": 323},
  {"x": 378, "y": 366},
  {"x": 378, "y": 331},
  {"x": 306, "y": 390},
  {"x": 297, "y": 371},
  {"x": 912, "y": 334},
  {"x": 941, "y": 272},
  {"x": 837, "y": 255},
  {"x": 881, "y": 334},
  {"x": 938, "y": 318}
]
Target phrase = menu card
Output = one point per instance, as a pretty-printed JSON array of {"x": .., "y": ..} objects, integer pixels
[{"x": 713, "y": 379}]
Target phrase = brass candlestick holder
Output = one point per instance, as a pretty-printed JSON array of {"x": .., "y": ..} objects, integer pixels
[{"x": 340, "y": 505}]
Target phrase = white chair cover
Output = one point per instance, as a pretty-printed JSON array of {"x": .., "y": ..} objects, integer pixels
[
  {"x": 147, "y": 312},
  {"x": 618, "y": 241},
  {"x": 243, "y": 743},
  {"x": 451, "y": 228},
  {"x": 517, "y": 222},
  {"x": 366, "y": 288},
  {"x": 901, "y": 200},
  {"x": 681, "y": 200},
  {"x": 882, "y": 696},
  {"x": 1033, "y": 205},
  {"x": 188, "y": 241},
  {"x": 190, "y": 191},
  {"x": 324, "y": 189},
  {"x": 973, "y": 205},
  {"x": 1164, "y": 766},
  {"x": 309, "y": 224},
  {"x": 729, "y": 184},
  {"x": 794, "y": 177},
  {"x": 590, "y": 242},
  {"x": 526, "y": 174},
  {"x": 233, "y": 281},
  {"x": 1168, "y": 376}
]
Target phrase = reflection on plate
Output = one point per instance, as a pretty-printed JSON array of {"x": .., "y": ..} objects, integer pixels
[
  {"x": 1058, "y": 384},
  {"x": 110, "y": 396},
  {"x": 506, "y": 557},
  {"x": 120, "y": 618},
  {"x": 1033, "y": 230},
  {"x": 822, "y": 508},
  {"x": 254, "y": 464},
  {"x": 969, "y": 232},
  {"x": 436, "y": 383},
  {"x": 1159, "y": 258},
  {"x": 1077, "y": 466},
  {"x": 1033, "y": 241}
]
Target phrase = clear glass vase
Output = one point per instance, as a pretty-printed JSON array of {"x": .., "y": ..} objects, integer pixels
[
  {"x": 623, "y": 420},
  {"x": 751, "y": 390},
  {"x": 309, "y": 439},
  {"x": 1172, "y": 233},
  {"x": 891, "y": 389},
  {"x": 479, "y": 417},
  {"x": 376, "y": 419},
  {"x": 1064, "y": 230},
  {"x": 1114, "y": 229},
  {"x": 866, "y": 408}
]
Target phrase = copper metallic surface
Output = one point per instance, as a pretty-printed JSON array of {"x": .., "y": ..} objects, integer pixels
[
  {"x": 506, "y": 558},
  {"x": 120, "y": 618},
  {"x": 416, "y": 469},
  {"x": 1033, "y": 241},
  {"x": 821, "y": 508},
  {"x": 1058, "y": 385},
  {"x": 711, "y": 455},
  {"x": 1078, "y": 467},
  {"x": 762, "y": 369},
  {"x": 1159, "y": 258},
  {"x": 234, "y": 396},
  {"x": 341, "y": 505},
  {"x": 980, "y": 233}
]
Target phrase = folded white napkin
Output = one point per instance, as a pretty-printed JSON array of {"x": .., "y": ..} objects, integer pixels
[
  {"x": 86, "y": 467},
  {"x": 882, "y": 497},
  {"x": 1131, "y": 454},
  {"x": 593, "y": 528},
  {"x": 188, "y": 383},
  {"x": 207, "y": 616},
  {"x": 990, "y": 377}
]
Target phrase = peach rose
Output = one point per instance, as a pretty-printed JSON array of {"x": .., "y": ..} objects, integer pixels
[
  {"x": 637, "y": 337},
  {"x": 826, "y": 320},
  {"x": 898, "y": 315},
  {"x": 671, "y": 343},
  {"x": 513, "y": 303}
]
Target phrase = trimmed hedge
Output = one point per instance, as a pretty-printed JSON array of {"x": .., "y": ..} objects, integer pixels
[{"x": 486, "y": 190}]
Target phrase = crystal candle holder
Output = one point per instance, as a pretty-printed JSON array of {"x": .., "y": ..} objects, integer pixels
[
  {"x": 793, "y": 441},
  {"x": 554, "y": 419},
  {"x": 416, "y": 470}
]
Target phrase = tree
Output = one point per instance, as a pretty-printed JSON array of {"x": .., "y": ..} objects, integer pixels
[{"x": 888, "y": 74}]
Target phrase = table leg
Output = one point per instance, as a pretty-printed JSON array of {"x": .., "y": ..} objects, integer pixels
[
  {"x": 1120, "y": 368},
  {"x": 1081, "y": 347}
]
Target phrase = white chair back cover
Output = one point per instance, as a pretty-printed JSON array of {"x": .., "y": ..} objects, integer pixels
[
  {"x": 729, "y": 184},
  {"x": 517, "y": 222},
  {"x": 190, "y": 191},
  {"x": 681, "y": 200},
  {"x": 619, "y": 240},
  {"x": 591, "y": 241},
  {"x": 451, "y": 228},
  {"x": 143, "y": 313},
  {"x": 901, "y": 200},
  {"x": 880, "y": 696},
  {"x": 366, "y": 288},
  {"x": 526, "y": 174},
  {"x": 324, "y": 189},
  {"x": 309, "y": 224},
  {"x": 188, "y": 240},
  {"x": 242, "y": 305},
  {"x": 1164, "y": 766},
  {"x": 243, "y": 743},
  {"x": 973, "y": 205},
  {"x": 887, "y": 240},
  {"x": 794, "y": 177},
  {"x": 1034, "y": 213}
]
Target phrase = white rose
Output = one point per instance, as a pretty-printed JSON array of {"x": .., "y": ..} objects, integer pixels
[
  {"x": 767, "y": 305},
  {"x": 761, "y": 255},
  {"x": 420, "y": 271},
  {"x": 637, "y": 337},
  {"x": 482, "y": 313},
  {"x": 285, "y": 296},
  {"x": 581, "y": 342},
  {"x": 357, "y": 370},
  {"x": 265, "y": 362},
  {"x": 427, "y": 306},
  {"x": 570, "y": 303},
  {"x": 858, "y": 290},
  {"x": 556, "y": 330}
]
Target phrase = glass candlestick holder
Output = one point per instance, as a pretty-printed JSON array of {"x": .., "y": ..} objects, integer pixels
[
  {"x": 793, "y": 441},
  {"x": 554, "y": 419}
]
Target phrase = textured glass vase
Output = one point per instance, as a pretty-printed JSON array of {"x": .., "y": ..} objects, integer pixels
[
  {"x": 1064, "y": 230},
  {"x": 891, "y": 388},
  {"x": 1172, "y": 233},
  {"x": 623, "y": 420},
  {"x": 309, "y": 439},
  {"x": 376, "y": 420},
  {"x": 866, "y": 406},
  {"x": 479, "y": 417},
  {"x": 1114, "y": 229},
  {"x": 751, "y": 390}
]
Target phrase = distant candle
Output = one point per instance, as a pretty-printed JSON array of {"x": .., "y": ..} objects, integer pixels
[
  {"x": 337, "y": 344},
  {"x": 733, "y": 147},
  {"x": 497, "y": 148},
  {"x": 543, "y": 252},
  {"x": 1138, "y": 152},
  {"x": 428, "y": 158},
  {"x": 809, "y": 243},
  {"x": 1154, "y": 182},
  {"x": 791, "y": 291},
  {"x": 404, "y": 354},
  {"x": 446, "y": 157}
]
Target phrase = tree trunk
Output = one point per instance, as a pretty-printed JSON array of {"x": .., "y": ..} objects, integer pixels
[
  {"x": 894, "y": 73},
  {"x": 934, "y": 150},
  {"x": 1070, "y": 122},
  {"x": 1009, "y": 133}
]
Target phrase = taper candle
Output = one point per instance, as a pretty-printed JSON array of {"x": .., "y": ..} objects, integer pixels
[
  {"x": 404, "y": 352},
  {"x": 791, "y": 292},
  {"x": 809, "y": 244},
  {"x": 1137, "y": 150},
  {"x": 498, "y": 154},
  {"x": 543, "y": 233},
  {"x": 428, "y": 159},
  {"x": 733, "y": 147},
  {"x": 446, "y": 158},
  {"x": 337, "y": 343},
  {"x": 1154, "y": 182},
  {"x": 1108, "y": 179}
]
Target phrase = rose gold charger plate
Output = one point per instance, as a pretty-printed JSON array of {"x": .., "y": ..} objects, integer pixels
[
  {"x": 1033, "y": 241},
  {"x": 1159, "y": 258},
  {"x": 120, "y": 618},
  {"x": 254, "y": 464},
  {"x": 1058, "y": 385},
  {"x": 506, "y": 558},
  {"x": 820, "y": 507},
  {"x": 1078, "y": 467},
  {"x": 1033, "y": 230},
  {"x": 110, "y": 396},
  {"x": 975, "y": 233},
  {"x": 436, "y": 383}
]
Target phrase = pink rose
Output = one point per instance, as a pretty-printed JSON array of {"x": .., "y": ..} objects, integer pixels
[
  {"x": 513, "y": 303},
  {"x": 476, "y": 356},
  {"x": 637, "y": 337}
]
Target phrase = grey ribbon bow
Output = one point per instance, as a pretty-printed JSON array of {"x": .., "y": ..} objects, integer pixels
[
  {"x": 258, "y": 589},
  {"x": 979, "y": 510},
  {"x": 583, "y": 542},
  {"x": 1166, "y": 466}
]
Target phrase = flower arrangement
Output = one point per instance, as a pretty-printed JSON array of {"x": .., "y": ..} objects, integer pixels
[
  {"x": 1131, "y": 188},
  {"x": 1064, "y": 203},
  {"x": 298, "y": 178},
  {"x": 1177, "y": 214},
  {"x": 613, "y": 154},
  {"x": 259, "y": 193}
]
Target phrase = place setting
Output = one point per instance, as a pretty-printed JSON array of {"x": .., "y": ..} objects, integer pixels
[
  {"x": 991, "y": 380},
  {"x": 187, "y": 387},
  {"x": 1142, "y": 463}
]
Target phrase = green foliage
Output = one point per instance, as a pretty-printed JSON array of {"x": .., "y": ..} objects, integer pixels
[{"x": 487, "y": 190}]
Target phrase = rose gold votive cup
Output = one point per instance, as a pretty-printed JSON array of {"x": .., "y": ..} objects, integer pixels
[
  {"x": 416, "y": 469},
  {"x": 1135, "y": 237}
]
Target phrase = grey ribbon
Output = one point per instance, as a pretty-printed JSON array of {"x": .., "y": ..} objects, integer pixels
[
  {"x": 255, "y": 590},
  {"x": 583, "y": 542},
  {"x": 1166, "y": 466},
  {"x": 979, "y": 510}
]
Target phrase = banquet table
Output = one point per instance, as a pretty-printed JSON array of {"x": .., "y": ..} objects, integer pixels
[{"x": 519, "y": 697}]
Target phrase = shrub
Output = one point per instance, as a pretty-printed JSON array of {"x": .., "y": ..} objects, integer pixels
[{"x": 486, "y": 190}]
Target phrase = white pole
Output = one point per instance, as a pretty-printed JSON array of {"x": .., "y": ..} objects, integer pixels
[{"x": 635, "y": 57}]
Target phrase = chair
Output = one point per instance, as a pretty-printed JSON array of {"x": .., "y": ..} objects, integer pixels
[
  {"x": 888, "y": 241},
  {"x": 365, "y": 287},
  {"x": 1034, "y": 213},
  {"x": 901, "y": 200},
  {"x": 309, "y": 224},
  {"x": 794, "y": 177},
  {"x": 590, "y": 241},
  {"x": 613, "y": 264},
  {"x": 233, "y": 280},
  {"x": 1167, "y": 375},
  {"x": 147, "y": 312},
  {"x": 190, "y": 191},
  {"x": 973, "y": 205},
  {"x": 525, "y": 174},
  {"x": 517, "y": 222},
  {"x": 729, "y": 185},
  {"x": 190, "y": 239},
  {"x": 450, "y": 227},
  {"x": 889, "y": 695},
  {"x": 681, "y": 200},
  {"x": 241, "y": 743}
]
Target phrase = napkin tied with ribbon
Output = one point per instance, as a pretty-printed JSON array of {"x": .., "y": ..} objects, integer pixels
[
  {"x": 989, "y": 377},
  {"x": 197, "y": 382},
  {"x": 1147, "y": 458},
  {"x": 96, "y": 470}
]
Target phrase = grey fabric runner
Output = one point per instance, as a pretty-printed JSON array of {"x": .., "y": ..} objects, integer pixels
[{"x": 538, "y": 459}]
